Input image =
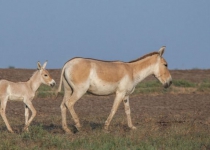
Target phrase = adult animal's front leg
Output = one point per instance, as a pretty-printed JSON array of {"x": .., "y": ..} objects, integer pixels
[
  {"x": 128, "y": 112},
  {"x": 118, "y": 99}
]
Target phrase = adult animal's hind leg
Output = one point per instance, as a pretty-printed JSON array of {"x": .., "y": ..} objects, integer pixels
[
  {"x": 128, "y": 112},
  {"x": 3, "y": 109},
  {"x": 70, "y": 105},
  {"x": 63, "y": 113}
]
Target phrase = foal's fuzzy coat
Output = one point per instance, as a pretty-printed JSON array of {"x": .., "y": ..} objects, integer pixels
[{"x": 24, "y": 91}]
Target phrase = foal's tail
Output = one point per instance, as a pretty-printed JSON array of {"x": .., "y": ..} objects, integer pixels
[{"x": 60, "y": 84}]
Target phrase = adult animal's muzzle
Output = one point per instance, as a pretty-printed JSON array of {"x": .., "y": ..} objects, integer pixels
[{"x": 167, "y": 84}]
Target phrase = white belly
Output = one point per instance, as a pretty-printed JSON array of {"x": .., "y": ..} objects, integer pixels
[
  {"x": 102, "y": 88},
  {"x": 16, "y": 98}
]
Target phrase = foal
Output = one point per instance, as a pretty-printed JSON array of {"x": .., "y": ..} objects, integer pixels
[
  {"x": 24, "y": 91},
  {"x": 81, "y": 75}
]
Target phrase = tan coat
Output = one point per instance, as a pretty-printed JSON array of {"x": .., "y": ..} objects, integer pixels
[{"x": 81, "y": 75}]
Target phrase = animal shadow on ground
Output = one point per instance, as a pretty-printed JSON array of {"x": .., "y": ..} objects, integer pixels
[
  {"x": 57, "y": 129},
  {"x": 87, "y": 126},
  {"x": 17, "y": 129}
]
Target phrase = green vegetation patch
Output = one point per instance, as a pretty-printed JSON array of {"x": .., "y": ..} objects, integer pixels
[
  {"x": 150, "y": 87},
  {"x": 45, "y": 91},
  {"x": 184, "y": 83},
  {"x": 204, "y": 85}
]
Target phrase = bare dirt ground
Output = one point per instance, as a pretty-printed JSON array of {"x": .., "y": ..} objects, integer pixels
[{"x": 164, "y": 109}]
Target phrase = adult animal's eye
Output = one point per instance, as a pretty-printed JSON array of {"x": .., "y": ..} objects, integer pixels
[
  {"x": 45, "y": 75},
  {"x": 166, "y": 65}
]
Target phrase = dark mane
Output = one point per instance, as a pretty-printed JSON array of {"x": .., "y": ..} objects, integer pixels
[
  {"x": 94, "y": 59},
  {"x": 147, "y": 55}
]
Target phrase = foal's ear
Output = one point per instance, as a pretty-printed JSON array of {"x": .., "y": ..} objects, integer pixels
[
  {"x": 44, "y": 65},
  {"x": 39, "y": 66},
  {"x": 161, "y": 51}
]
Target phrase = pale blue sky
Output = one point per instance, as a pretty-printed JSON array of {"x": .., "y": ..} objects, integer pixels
[{"x": 57, "y": 30}]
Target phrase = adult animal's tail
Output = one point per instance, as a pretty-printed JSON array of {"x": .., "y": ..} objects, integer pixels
[{"x": 60, "y": 84}]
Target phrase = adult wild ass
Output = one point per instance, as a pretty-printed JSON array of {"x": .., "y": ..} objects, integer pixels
[
  {"x": 24, "y": 91},
  {"x": 81, "y": 75}
]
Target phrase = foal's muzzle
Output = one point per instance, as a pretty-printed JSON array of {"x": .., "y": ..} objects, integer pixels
[{"x": 52, "y": 84}]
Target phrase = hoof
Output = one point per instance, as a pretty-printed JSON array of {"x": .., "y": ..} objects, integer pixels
[
  {"x": 78, "y": 127},
  {"x": 133, "y": 128},
  {"x": 106, "y": 131},
  {"x": 11, "y": 131},
  {"x": 25, "y": 129},
  {"x": 106, "y": 127},
  {"x": 68, "y": 133}
]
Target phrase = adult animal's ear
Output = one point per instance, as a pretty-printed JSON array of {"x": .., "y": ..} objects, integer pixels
[
  {"x": 44, "y": 65},
  {"x": 39, "y": 66},
  {"x": 161, "y": 51}
]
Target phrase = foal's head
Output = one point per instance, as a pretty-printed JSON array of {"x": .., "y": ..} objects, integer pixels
[
  {"x": 45, "y": 76},
  {"x": 161, "y": 72}
]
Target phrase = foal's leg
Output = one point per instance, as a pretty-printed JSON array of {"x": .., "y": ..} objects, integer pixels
[
  {"x": 31, "y": 107},
  {"x": 3, "y": 109},
  {"x": 128, "y": 112},
  {"x": 26, "y": 116},
  {"x": 119, "y": 97}
]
